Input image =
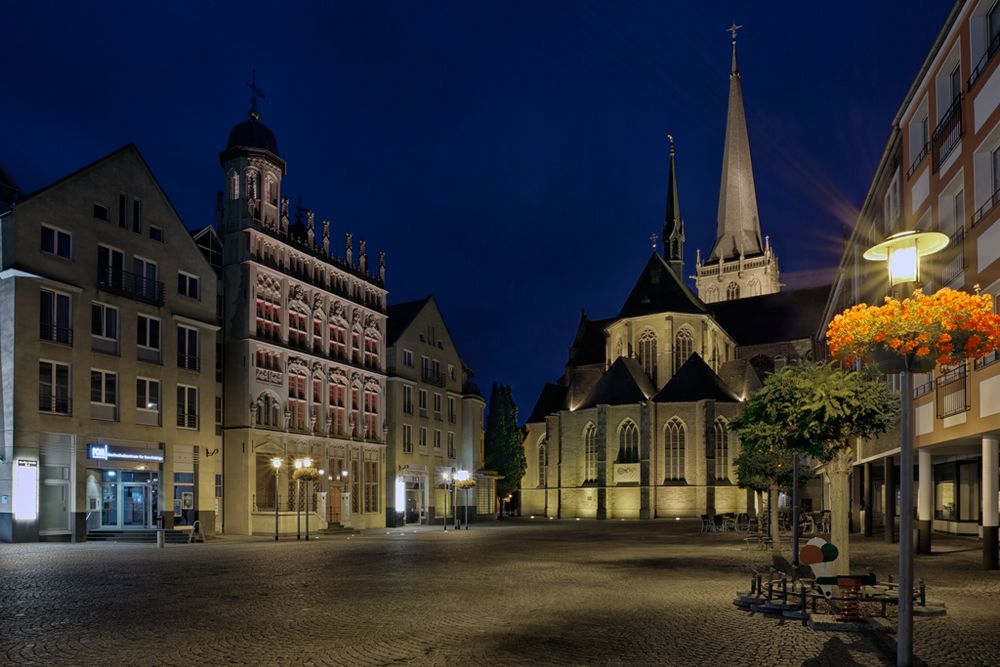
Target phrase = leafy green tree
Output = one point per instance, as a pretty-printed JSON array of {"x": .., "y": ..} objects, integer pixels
[{"x": 504, "y": 448}]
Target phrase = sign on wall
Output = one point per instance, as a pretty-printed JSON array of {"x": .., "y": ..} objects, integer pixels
[{"x": 102, "y": 452}]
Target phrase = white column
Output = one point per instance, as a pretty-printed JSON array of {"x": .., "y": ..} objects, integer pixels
[
  {"x": 925, "y": 489},
  {"x": 990, "y": 488}
]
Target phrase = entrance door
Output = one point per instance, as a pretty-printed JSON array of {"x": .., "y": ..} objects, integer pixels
[
  {"x": 333, "y": 504},
  {"x": 135, "y": 505},
  {"x": 109, "y": 505}
]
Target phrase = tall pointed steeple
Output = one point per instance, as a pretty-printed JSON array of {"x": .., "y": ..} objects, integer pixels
[
  {"x": 673, "y": 224},
  {"x": 738, "y": 231}
]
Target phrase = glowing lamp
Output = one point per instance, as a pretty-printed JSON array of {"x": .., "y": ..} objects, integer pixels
[
  {"x": 276, "y": 463},
  {"x": 307, "y": 462},
  {"x": 462, "y": 475},
  {"x": 902, "y": 253}
]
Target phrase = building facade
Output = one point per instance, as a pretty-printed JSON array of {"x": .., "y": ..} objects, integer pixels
[
  {"x": 304, "y": 354},
  {"x": 435, "y": 422},
  {"x": 107, "y": 353},
  {"x": 940, "y": 172}
]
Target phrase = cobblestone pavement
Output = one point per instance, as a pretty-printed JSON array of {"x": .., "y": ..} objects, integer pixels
[{"x": 526, "y": 592}]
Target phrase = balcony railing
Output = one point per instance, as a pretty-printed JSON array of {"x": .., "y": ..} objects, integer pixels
[
  {"x": 985, "y": 209},
  {"x": 53, "y": 404},
  {"x": 956, "y": 252},
  {"x": 953, "y": 392},
  {"x": 185, "y": 420},
  {"x": 948, "y": 133},
  {"x": 131, "y": 285},
  {"x": 436, "y": 379},
  {"x": 189, "y": 362},
  {"x": 980, "y": 67},
  {"x": 55, "y": 334},
  {"x": 917, "y": 160},
  {"x": 989, "y": 359},
  {"x": 923, "y": 389}
]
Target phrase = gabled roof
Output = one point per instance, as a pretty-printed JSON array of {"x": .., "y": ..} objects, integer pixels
[
  {"x": 622, "y": 384},
  {"x": 772, "y": 318},
  {"x": 695, "y": 381},
  {"x": 588, "y": 345},
  {"x": 659, "y": 290},
  {"x": 550, "y": 401},
  {"x": 401, "y": 315}
]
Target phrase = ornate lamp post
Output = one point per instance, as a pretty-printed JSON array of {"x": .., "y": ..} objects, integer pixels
[
  {"x": 463, "y": 478},
  {"x": 308, "y": 463},
  {"x": 902, "y": 253},
  {"x": 276, "y": 464},
  {"x": 444, "y": 515}
]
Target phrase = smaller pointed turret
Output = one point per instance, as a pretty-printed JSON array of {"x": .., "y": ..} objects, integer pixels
[{"x": 673, "y": 223}]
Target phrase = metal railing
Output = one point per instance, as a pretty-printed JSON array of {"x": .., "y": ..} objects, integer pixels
[
  {"x": 189, "y": 362},
  {"x": 956, "y": 251},
  {"x": 130, "y": 284},
  {"x": 985, "y": 209},
  {"x": 923, "y": 389},
  {"x": 952, "y": 392},
  {"x": 987, "y": 360},
  {"x": 54, "y": 334},
  {"x": 948, "y": 133},
  {"x": 920, "y": 158},
  {"x": 436, "y": 379},
  {"x": 185, "y": 420},
  {"x": 980, "y": 67},
  {"x": 53, "y": 404}
]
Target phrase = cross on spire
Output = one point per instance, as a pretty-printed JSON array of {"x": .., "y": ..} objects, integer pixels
[
  {"x": 255, "y": 93},
  {"x": 733, "y": 29},
  {"x": 670, "y": 138}
]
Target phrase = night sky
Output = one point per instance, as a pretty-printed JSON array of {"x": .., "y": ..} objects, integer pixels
[{"x": 509, "y": 157}]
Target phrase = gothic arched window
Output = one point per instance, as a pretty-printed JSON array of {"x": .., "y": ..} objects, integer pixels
[
  {"x": 721, "y": 432},
  {"x": 674, "y": 446},
  {"x": 647, "y": 354},
  {"x": 251, "y": 184},
  {"x": 543, "y": 465},
  {"x": 753, "y": 287},
  {"x": 628, "y": 442},
  {"x": 683, "y": 347},
  {"x": 711, "y": 295},
  {"x": 732, "y": 291},
  {"x": 270, "y": 190},
  {"x": 234, "y": 185},
  {"x": 590, "y": 453}
]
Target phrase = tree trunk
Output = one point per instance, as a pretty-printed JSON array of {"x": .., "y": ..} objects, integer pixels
[
  {"x": 772, "y": 507},
  {"x": 839, "y": 471}
]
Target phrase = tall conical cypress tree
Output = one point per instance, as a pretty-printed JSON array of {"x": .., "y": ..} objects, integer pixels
[{"x": 503, "y": 444}]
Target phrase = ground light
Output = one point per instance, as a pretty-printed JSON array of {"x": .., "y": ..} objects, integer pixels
[{"x": 902, "y": 253}]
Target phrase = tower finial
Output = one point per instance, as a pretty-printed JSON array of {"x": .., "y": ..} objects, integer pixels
[
  {"x": 255, "y": 93},
  {"x": 670, "y": 138},
  {"x": 653, "y": 237},
  {"x": 732, "y": 30}
]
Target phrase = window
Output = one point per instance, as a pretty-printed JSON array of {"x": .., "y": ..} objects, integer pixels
[
  {"x": 732, "y": 291},
  {"x": 218, "y": 486},
  {"x": 437, "y": 406},
  {"x": 102, "y": 212},
  {"x": 137, "y": 216},
  {"x": 55, "y": 317},
  {"x": 110, "y": 264},
  {"x": 298, "y": 334},
  {"x": 268, "y": 411},
  {"x": 371, "y": 414},
  {"x": 371, "y": 352},
  {"x": 753, "y": 287},
  {"x": 147, "y": 332},
  {"x": 451, "y": 372},
  {"x": 407, "y": 400},
  {"x": 103, "y": 387},
  {"x": 355, "y": 347},
  {"x": 53, "y": 387},
  {"x": 721, "y": 432},
  {"x": 297, "y": 400},
  {"x": 234, "y": 185},
  {"x": 590, "y": 453},
  {"x": 408, "y": 358},
  {"x": 218, "y": 412},
  {"x": 104, "y": 321},
  {"x": 268, "y": 321},
  {"x": 628, "y": 443},
  {"x": 156, "y": 233},
  {"x": 955, "y": 82},
  {"x": 995, "y": 169},
  {"x": 355, "y": 426},
  {"x": 647, "y": 354},
  {"x": 451, "y": 445},
  {"x": 188, "y": 285},
  {"x": 543, "y": 465},
  {"x": 452, "y": 416},
  {"x": 338, "y": 409},
  {"x": 407, "y": 439},
  {"x": 683, "y": 347},
  {"x": 371, "y": 486},
  {"x": 422, "y": 402},
  {"x": 338, "y": 341},
  {"x": 147, "y": 394},
  {"x": 123, "y": 211},
  {"x": 187, "y": 406},
  {"x": 423, "y": 438},
  {"x": 187, "y": 348},
  {"x": 57, "y": 242},
  {"x": 674, "y": 455},
  {"x": 437, "y": 439},
  {"x": 147, "y": 278},
  {"x": 890, "y": 205}
]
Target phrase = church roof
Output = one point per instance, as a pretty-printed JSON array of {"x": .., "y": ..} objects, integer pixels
[
  {"x": 695, "y": 381},
  {"x": 782, "y": 316},
  {"x": 738, "y": 230},
  {"x": 400, "y": 315},
  {"x": 622, "y": 384},
  {"x": 550, "y": 401},
  {"x": 672, "y": 220},
  {"x": 588, "y": 345},
  {"x": 660, "y": 290}
]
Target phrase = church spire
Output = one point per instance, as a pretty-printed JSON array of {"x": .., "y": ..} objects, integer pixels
[
  {"x": 738, "y": 231},
  {"x": 673, "y": 224}
]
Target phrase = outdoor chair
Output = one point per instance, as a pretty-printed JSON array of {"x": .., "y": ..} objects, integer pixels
[{"x": 707, "y": 525}]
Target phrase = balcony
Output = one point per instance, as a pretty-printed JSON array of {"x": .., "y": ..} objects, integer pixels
[
  {"x": 54, "y": 334},
  {"x": 436, "y": 379},
  {"x": 952, "y": 394},
  {"x": 185, "y": 420},
  {"x": 988, "y": 360},
  {"x": 190, "y": 362},
  {"x": 955, "y": 257},
  {"x": 54, "y": 404},
  {"x": 918, "y": 159},
  {"x": 948, "y": 133},
  {"x": 980, "y": 67},
  {"x": 131, "y": 285}
]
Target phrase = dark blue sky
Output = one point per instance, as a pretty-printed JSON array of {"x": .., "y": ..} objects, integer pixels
[{"x": 510, "y": 157}]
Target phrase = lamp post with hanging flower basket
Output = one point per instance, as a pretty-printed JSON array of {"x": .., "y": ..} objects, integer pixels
[{"x": 304, "y": 473}]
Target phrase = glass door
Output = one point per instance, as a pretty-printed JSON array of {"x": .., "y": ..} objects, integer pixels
[
  {"x": 135, "y": 505},
  {"x": 109, "y": 505}
]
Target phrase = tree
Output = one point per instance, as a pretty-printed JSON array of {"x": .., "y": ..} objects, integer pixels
[
  {"x": 818, "y": 409},
  {"x": 504, "y": 448}
]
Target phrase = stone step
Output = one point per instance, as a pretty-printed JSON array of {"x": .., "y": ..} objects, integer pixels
[{"x": 137, "y": 536}]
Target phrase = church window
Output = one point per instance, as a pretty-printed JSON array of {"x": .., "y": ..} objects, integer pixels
[
  {"x": 721, "y": 431},
  {"x": 683, "y": 347},
  {"x": 234, "y": 185},
  {"x": 711, "y": 295},
  {"x": 590, "y": 453},
  {"x": 543, "y": 465},
  {"x": 628, "y": 442},
  {"x": 647, "y": 354},
  {"x": 753, "y": 287},
  {"x": 732, "y": 291},
  {"x": 674, "y": 439}
]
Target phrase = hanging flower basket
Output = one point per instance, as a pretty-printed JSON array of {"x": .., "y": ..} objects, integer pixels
[
  {"x": 463, "y": 484},
  {"x": 305, "y": 474},
  {"x": 916, "y": 333}
]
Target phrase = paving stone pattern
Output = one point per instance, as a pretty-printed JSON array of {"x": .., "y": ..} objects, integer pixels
[{"x": 518, "y": 593}]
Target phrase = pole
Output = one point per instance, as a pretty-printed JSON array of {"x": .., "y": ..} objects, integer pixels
[
  {"x": 795, "y": 509},
  {"x": 467, "y": 509},
  {"x": 308, "y": 499},
  {"x": 445, "y": 513},
  {"x": 298, "y": 510},
  {"x": 454, "y": 505},
  {"x": 276, "y": 505},
  {"x": 904, "y": 646}
]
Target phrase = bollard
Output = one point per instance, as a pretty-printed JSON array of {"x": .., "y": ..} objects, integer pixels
[
  {"x": 802, "y": 593},
  {"x": 160, "y": 538},
  {"x": 770, "y": 588},
  {"x": 784, "y": 589},
  {"x": 922, "y": 594},
  {"x": 753, "y": 585}
]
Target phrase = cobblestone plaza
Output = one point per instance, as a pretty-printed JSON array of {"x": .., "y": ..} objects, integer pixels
[{"x": 520, "y": 592}]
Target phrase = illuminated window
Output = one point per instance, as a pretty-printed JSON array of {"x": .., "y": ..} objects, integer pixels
[
  {"x": 298, "y": 334},
  {"x": 590, "y": 453},
  {"x": 543, "y": 465},
  {"x": 721, "y": 432},
  {"x": 338, "y": 408},
  {"x": 234, "y": 185},
  {"x": 647, "y": 354},
  {"x": 628, "y": 443},
  {"x": 674, "y": 455},
  {"x": 732, "y": 291},
  {"x": 683, "y": 347},
  {"x": 297, "y": 400}
]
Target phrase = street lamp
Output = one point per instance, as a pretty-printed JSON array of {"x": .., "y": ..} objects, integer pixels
[
  {"x": 276, "y": 464},
  {"x": 902, "y": 253},
  {"x": 444, "y": 515},
  {"x": 301, "y": 464},
  {"x": 463, "y": 476}
]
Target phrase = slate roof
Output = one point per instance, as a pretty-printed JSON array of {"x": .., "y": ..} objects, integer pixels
[
  {"x": 695, "y": 381},
  {"x": 400, "y": 315},
  {"x": 252, "y": 133},
  {"x": 622, "y": 384},
  {"x": 782, "y": 316},
  {"x": 659, "y": 290},
  {"x": 588, "y": 345},
  {"x": 551, "y": 400}
]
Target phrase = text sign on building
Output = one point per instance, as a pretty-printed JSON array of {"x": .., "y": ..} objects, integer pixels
[{"x": 109, "y": 453}]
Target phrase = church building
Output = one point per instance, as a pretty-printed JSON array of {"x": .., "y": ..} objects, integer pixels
[{"x": 638, "y": 425}]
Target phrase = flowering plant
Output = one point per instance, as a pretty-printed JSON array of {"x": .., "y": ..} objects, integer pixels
[
  {"x": 305, "y": 474},
  {"x": 944, "y": 327}
]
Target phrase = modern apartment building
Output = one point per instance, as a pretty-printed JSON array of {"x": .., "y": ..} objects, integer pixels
[{"x": 107, "y": 356}]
